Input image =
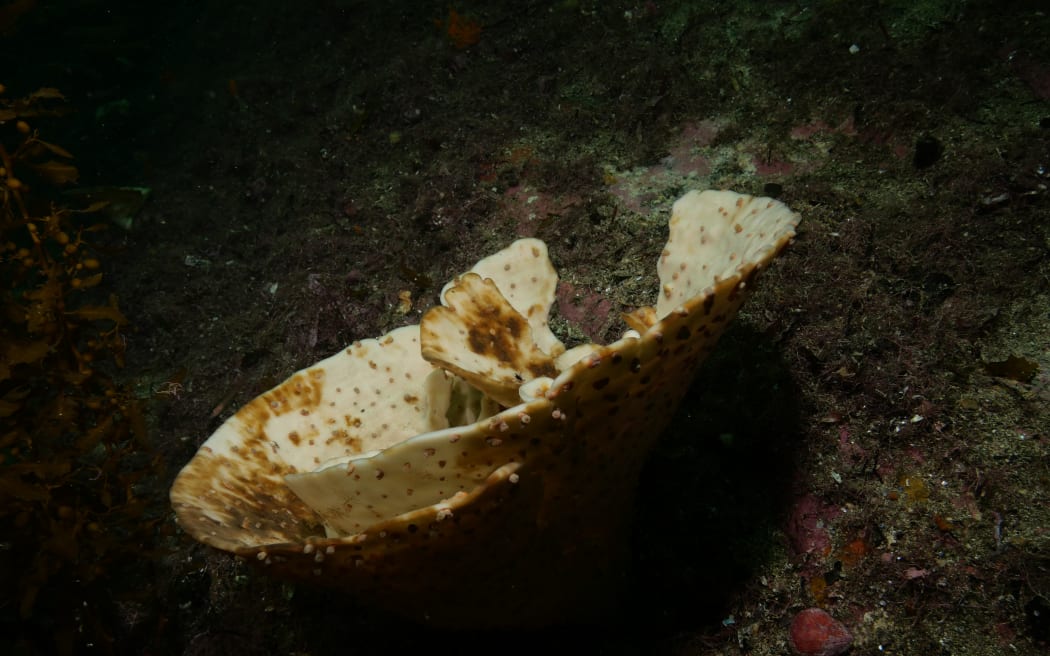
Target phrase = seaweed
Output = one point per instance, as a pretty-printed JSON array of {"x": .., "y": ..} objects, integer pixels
[{"x": 72, "y": 456}]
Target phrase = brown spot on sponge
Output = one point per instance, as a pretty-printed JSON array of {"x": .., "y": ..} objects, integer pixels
[{"x": 479, "y": 336}]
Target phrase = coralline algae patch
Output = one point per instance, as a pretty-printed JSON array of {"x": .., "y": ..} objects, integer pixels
[
  {"x": 689, "y": 160},
  {"x": 808, "y": 147},
  {"x": 586, "y": 309},
  {"x": 530, "y": 207},
  {"x": 696, "y": 158},
  {"x": 807, "y": 526},
  {"x": 685, "y": 157}
]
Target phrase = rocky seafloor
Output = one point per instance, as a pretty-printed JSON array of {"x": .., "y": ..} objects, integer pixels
[{"x": 872, "y": 435}]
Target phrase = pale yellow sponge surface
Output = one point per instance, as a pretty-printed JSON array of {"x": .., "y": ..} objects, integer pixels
[
  {"x": 716, "y": 235},
  {"x": 471, "y": 472}
]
